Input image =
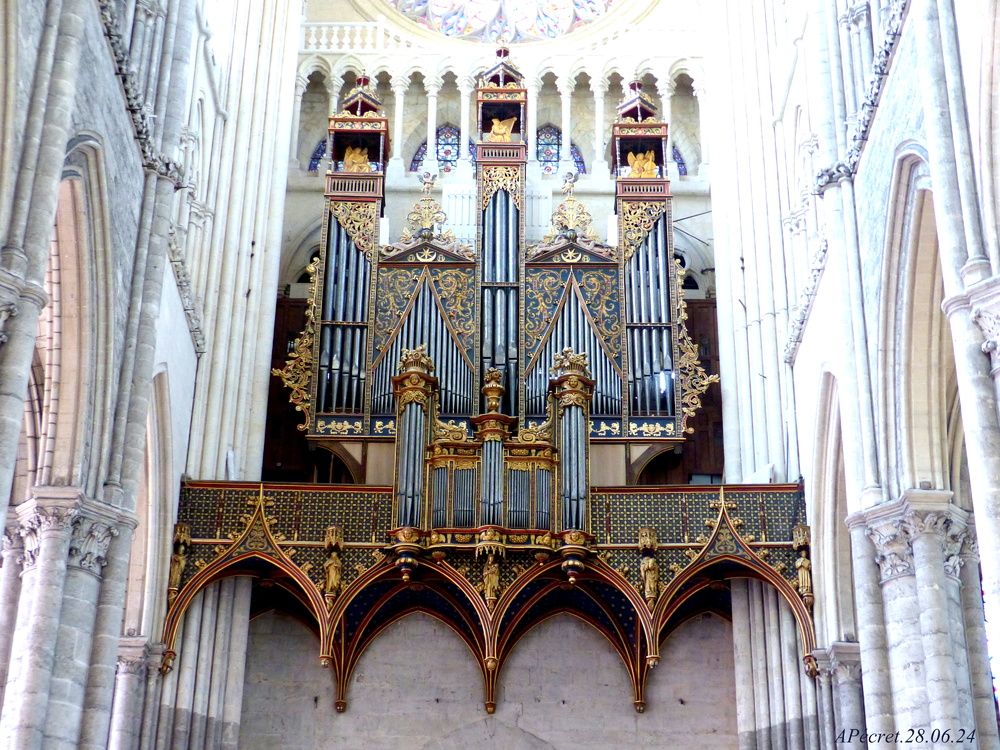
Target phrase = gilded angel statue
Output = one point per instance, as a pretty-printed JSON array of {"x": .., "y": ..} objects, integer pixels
[
  {"x": 356, "y": 160},
  {"x": 501, "y": 130},
  {"x": 643, "y": 165}
]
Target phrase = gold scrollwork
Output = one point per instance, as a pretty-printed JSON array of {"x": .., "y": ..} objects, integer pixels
[
  {"x": 387, "y": 427},
  {"x": 360, "y": 220},
  {"x": 571, "y": 215},
  {"x": 297, "y": 372},
  {"x": 450, "y": 431},
  {"x": 650, "y": 429},
  {"x": 543, "y": 291},
  {"x": 600, "y": 293},
  {"x": 396, "y": 287},
  {"x": 501, "y": 178},
  {"x": 604, "y": 429},
  {"x": 338, "y": 427},
  {"x": 637, "y": 219},
  {"x": 456, "y": 290},
  {"x": 694, "y": 379}
]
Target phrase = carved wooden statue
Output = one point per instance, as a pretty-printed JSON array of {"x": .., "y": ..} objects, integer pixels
[
  {"x": 501, "y": 130},
  {"x": 356, "y": 160}
]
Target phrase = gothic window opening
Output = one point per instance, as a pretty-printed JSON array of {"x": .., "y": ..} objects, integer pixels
[
  {"x": 679, "y": 159},
  {"x": 319, "y": 153},
  {"x": 549, "y": 145},
  {"x": 448, "y": 150}
]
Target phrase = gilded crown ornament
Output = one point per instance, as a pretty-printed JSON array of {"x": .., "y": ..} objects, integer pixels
[
  {"x": 416, "y": 360},
  {"x": 567, "y": 362}
]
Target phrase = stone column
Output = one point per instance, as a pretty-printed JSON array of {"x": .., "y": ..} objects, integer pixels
[
  {"x": 10, "y": 592},
  {"x": 824, "y": 701},
  {"x": 599, "y": 164},
  {"x": 775, "y": 673},
  {"x": 46, "y": 522},
  {"x": 466, "y": 86},
  {"x": 845, "y": 670},
  {"x": 745, "y": 711},
  {"x": 400, "y": 84},
  {"x": 293, "y": 151},
  {"x": 530, "y": 133},
  {"x": 983, "y": 702},
  {"x": 566, "y": 86},
  {"x": 758, "y": 660},
  {"x": 432, "y": 86},
  {"x": 703, "y": 142},
  {"x": 131, "y": 675},
  {"x": 894, "y": 556},
  {"x": 665, "y": 88},
  {"x": 871, "y": 630},
  {"x": 929, "y": 531},
  {"x": 93, "y": 528}
]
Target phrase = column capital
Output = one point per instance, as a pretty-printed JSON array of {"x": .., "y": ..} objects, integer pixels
[
  {"x": 598, "y": 85},
  {"x": 893, "y": 551},
  {"x": 466, "y": 85},
  {"x": 399, "y": 85},
  {"x": 301, "y": 82},
  {"x": 845, "y": 661},
  {"x": 565, "y": 85},
  {"x": 532, "y": 85},
  {"x": 433, "y": 86}
]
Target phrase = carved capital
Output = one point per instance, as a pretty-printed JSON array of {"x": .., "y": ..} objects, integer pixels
[
  {"x": 833, "y": 175},
  {"x": 88, "y": 547},
  {"x": 893, "y": 551},
  {"x": 989, "y": 322},
  {"x": 131, "y": 665}
]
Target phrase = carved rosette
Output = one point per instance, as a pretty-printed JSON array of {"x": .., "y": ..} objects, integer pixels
[
  {"x": 694, "y": 379},
  {"x": 297, "y": 372}
]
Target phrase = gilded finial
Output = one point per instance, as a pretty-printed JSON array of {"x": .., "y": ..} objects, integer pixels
[
  {"x": 567, "y": 361},
  {"x": 416, "y": 359}
]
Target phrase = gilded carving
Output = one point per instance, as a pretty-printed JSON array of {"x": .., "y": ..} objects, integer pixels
[
  {"x": 396, "y": 288},
  {"x": 178, "y": 559},
  {"x": 450, "y": 431},
  {"x": 600, "y": 293},
  {"x": 651, "y": 429},
  {"x": 649, "y": 569},
  {"x": 456, "y": 290},
  {"x": 501, "y": 130},
  {"x": 694, "y": 379},
  {"x": 356, "y": 160},
  {"x": 636, "y": 221},
  {"x": 297, "y": 372},
  {"x": 360, "y": 220},
  {"x": 543, "y": 290},
  {"x": 501, "y": 178},
  {"x": 643, "y": 164}
]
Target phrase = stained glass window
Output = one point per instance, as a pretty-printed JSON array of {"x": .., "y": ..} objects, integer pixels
[
  {"x": 319, "y": 153},
  {"x": 681, "y": 166},
  {"x": 447, "y": 150},
  {"x": 549, "y": 145},
  {"x": 502, "y": 20}
]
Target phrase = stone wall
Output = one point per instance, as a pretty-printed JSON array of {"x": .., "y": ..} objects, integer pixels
[{"x": 418, "y": 687}]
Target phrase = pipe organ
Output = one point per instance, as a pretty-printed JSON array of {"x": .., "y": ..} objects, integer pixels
[
  {"x": 494, "y": 366},
  {"x": 495, "y": 369}
]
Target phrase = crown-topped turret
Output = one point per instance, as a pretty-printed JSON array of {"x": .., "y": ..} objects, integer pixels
[
  {"x": 359, "y": 144},
  {"x": 639, "y": 152},
  {"x": 500, "y": 102},
  {"x": 637, "y": 106}
]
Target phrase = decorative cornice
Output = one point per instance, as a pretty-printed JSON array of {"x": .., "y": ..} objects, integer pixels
[
  {"x": 152, "y": 158},
  {"x": 806, "y": 298},
  {"x": 893, "y": 15}
]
